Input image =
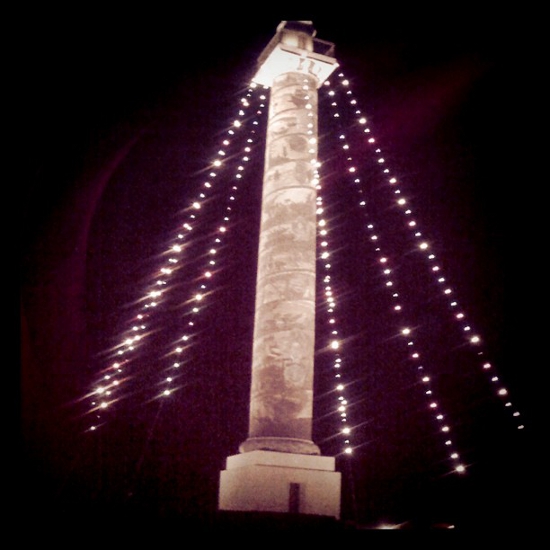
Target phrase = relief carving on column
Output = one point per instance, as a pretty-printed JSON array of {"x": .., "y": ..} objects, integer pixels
[
  {"x": 281, "y": 404},
  {"x": 288, "y": 233}
]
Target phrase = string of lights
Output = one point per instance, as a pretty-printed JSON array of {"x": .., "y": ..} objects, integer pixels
[
  {"x": 114, "y": 380},
  {"x": 341, "y": 98},
  {"x": 228, "y": 170}
]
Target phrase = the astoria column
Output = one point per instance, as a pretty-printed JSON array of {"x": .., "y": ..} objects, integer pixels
[{"x": 280, "y": 468}]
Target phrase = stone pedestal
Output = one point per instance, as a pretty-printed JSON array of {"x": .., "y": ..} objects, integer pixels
[{"x": 269, "y": 481}]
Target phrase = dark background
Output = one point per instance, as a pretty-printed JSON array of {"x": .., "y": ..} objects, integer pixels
[{"x": 122, "y": 111}]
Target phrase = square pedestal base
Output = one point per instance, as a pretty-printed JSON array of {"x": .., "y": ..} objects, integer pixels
[{"x": 268, "y": 481}]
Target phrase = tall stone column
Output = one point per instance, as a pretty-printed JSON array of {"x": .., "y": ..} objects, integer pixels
[
  {"x": 275, "y": 465},
  {"x": 281, "y": 398}
]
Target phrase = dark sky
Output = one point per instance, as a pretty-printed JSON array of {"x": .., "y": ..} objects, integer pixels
[{"x": 122, "y": 114}]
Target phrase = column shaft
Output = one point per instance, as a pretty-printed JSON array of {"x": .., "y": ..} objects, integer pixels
[{"x": 281, "y": 398}]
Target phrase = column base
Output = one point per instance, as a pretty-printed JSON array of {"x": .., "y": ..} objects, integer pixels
[
  {"x": 268, "y": 481},
  {"x": 280, "y": 445}
]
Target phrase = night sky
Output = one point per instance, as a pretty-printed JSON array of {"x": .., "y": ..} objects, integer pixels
[{"x": 123, "y": 113}]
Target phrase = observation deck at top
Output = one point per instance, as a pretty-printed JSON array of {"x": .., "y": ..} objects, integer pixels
[{"x": 294, "y": 44}]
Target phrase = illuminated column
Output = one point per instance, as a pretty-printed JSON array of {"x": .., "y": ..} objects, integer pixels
[
  {"x": 274, "y": 467},
  {"x": 281, "y": 398}
]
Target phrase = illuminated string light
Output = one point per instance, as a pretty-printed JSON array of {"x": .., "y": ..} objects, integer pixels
[
  {"x": 386, "y": 273},
  {"x": 424, "y": 247},
  {"x": 220, "y": 234},
  {"x": 334, "y": 344},
  {"x": 107, "y": 390}
]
